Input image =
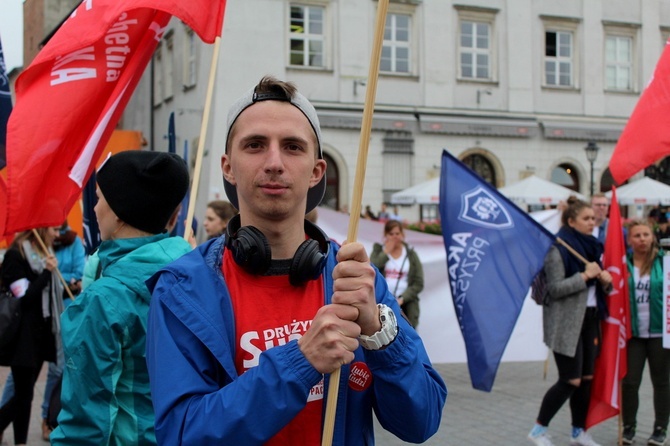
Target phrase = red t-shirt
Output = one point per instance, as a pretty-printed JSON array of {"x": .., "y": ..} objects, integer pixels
[{"x": 269, "y": 311}]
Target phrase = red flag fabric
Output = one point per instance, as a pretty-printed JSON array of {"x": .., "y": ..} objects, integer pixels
[
  {"x": 646, "y": 137},
  {"x": 611, "y": 364},
  {"x": 71, "y": 96}
]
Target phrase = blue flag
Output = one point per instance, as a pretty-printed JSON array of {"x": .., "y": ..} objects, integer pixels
[
  {"x": 494, "y": 250},
  {"x": 5, "y": 108},
  {"x": 180, "y": 227},
  {"x": 172, "y": 135},
  {"x": 90, "y": 223}
]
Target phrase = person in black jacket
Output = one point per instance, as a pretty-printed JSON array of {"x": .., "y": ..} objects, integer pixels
[{"x": 29, "y": 273}]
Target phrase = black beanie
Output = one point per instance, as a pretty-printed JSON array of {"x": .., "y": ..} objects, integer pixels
[{"x": 144, "y": 188}]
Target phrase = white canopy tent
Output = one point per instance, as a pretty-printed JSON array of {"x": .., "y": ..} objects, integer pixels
[
  {"x": 427, "y": 192},
  {"x": 531, "y": 190},
  {"x": 535, "y": 190},
  {"x": 644, "y": 191}
]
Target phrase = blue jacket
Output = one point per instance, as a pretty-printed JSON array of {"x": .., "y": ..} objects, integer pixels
[
  {"x": 71, "y": 260},
  {"x": 199, "y": 398}
]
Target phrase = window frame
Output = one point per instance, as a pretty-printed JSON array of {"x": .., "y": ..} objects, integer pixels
[
  {"x": 409, "y": 10},
  {"x": 622, "y": 31},
  {"x": 665, "y": 36},
  {"x": 168, "y": 64},
  {"x": 190, "y": 59},
  {"x": 479, "y": 16},
  {"x": 567, "y": 26},
  {"x": 158, "y": 75},
  {"x": 397, "y": 45},
  {"x": 324, "y": 39},
  {"x": 398, "y": 155}
]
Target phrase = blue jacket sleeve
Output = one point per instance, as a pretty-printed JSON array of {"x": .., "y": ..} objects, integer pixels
[
  {"x": 71, "y": 260},
  {"x": 198, "y": 397},
  {"x": 409, "y": 393}
]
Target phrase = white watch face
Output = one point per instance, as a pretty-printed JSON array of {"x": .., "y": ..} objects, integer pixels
[
  {"x": 387, "y": 333},
  {"x": 387, "y": 313}
]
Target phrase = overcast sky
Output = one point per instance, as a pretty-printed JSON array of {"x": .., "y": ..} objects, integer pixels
[{"x": 11, "y": 32}]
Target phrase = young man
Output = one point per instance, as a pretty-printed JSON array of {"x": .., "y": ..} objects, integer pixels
[
  {"x": 600, "y": 206},
  {"x": 105, "y": 395},
  {"x": 244, "y": 331}
]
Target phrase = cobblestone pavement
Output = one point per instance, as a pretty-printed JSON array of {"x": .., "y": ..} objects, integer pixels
[
  {"x": 502, "y": 417},
  {"x": 505, "y": 415}
]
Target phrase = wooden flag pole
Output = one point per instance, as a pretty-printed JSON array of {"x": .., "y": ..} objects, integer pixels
[
  {"x": 46, "y": 252},
  {"x": 357, "y": 196},
  {"x": 201, "y": 141}
]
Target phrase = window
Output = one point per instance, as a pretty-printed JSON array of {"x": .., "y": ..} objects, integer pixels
[
  {"x": 482, "y": 167},
  {"x": 331, "y": 197},
  {"x": 558, "y": 57},
  {"x": 665, "y": 36},
  {"x": 158, "y": 75},
  {"x": 618, "y": 63},
  {"x": 397, "y": 158},
  {"x": 168, "y": 63},
  {"x": 476, "y": 43},
  {"x": 566, "y": 175},
  {"x": 190, "y": 59},
  {"x": 396, "y": 48},
  {"x": 307, "y": 36},
  {"x": 620, "y": 56},
  {"x": 475, "y": 48}
]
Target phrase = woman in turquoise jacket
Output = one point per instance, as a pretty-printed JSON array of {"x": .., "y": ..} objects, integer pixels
[
  {"x": 645, "y": 285},
  {"x": 105, "y": 395}
]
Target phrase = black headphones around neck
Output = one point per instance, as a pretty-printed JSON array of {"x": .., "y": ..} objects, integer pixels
[{"x": 252, "y": 252}]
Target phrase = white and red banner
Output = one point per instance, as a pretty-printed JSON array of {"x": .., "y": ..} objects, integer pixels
[
  {"x": 438, "y": 325},
  {"x": 71, "y": 96},
  {"x": 611, "y": 365},
  {"x": 646, "y": 137}
]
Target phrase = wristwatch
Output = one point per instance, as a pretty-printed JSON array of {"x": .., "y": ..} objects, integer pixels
[{"x": 387, "y": 333}]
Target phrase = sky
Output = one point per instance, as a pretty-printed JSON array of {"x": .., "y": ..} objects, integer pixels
[{"x": 11, "y": 32}]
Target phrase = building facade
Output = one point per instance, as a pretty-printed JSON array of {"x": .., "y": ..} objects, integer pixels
[{"x": 511, "y": 87}]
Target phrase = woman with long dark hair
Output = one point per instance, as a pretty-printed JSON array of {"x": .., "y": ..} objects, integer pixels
[
  {"x": 30, "y": 274},
  {"x": 217, "y": 216}
]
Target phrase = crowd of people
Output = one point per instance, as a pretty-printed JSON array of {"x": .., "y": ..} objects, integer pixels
[
  {"x": 163, "y": 337},
  {"x": 575, "y": 307}
]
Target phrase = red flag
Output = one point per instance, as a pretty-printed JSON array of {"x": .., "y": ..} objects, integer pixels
[
  {"x": 646, "y": 137},
  {"x": 71, "y": 96},
  {"x": 611, "y": 364}
]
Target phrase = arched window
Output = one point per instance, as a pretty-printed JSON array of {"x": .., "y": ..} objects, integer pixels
[
  {"x": 482, "y": 167},
  {"x": 566, "y": 175},
  {"x": 331, "y": 199}
]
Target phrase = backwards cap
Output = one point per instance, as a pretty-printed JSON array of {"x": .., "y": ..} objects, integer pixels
[{"x": 315, "y": 193}]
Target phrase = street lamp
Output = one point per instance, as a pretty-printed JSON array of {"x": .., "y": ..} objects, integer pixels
[{"x": 591, "y": 150}]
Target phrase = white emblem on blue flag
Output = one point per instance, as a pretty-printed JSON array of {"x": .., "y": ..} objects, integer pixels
[{"x": 481, "y": 208}]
